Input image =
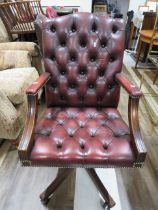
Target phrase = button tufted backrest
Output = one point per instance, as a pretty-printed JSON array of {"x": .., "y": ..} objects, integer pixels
[{"x": 83, "y": 52}]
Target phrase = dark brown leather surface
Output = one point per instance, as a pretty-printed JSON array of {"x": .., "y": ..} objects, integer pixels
[
  {"x": 84, "y": 136},
  {"x": 82, "y": 127},
  {"x": 83, "y": 52}
]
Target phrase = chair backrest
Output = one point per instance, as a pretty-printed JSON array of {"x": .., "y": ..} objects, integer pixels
[
  {"x": 18, "y": 16},
  {"x": 83, "y": 52}
]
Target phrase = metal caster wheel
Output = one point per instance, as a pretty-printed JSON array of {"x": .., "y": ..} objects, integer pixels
[{"x": 44, "y": 199}]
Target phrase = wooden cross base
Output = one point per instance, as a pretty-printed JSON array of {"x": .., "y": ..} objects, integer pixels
[{"x": 64, "y": 173}]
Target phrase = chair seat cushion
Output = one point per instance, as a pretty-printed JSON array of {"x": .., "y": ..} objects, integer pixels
[{"x": 86, "y": 137}]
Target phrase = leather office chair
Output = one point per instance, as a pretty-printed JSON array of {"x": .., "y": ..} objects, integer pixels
[{"x": 82, "y": 127}]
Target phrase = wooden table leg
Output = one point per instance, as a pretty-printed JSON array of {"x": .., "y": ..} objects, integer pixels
[
  {"x": 155, "y": 77},
  {"x": 139, "y": 51}
]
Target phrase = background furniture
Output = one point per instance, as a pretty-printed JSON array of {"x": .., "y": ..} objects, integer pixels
[
  {"x": 3, "y": 32},
  {"x": 145, "y": 38},
  {"x": 152, "y": 54},
  {"x": 16, "y": 74},
  {"x": 13, "y": 104},
  {"x": 150, "y": 37},
  {"x": 147, "y": 24},
  {"x": 19, "y": 16},
  {"x": 81, "y": 126},
  {"x": 14, "y": 52},
  {"x": 129, "y": 29}
]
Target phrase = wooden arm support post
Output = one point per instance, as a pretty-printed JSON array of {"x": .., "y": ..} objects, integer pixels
[
  {"x": 133, "y": 104},
  {"x": 26, "y": 141}
]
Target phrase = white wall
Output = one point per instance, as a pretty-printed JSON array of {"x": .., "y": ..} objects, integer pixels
[
  {"x": 85, "y": 5},
  {"x": 134, "y": 4},
  {"x": 123, "y": 5}
]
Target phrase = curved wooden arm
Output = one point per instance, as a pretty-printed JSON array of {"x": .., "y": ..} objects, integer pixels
[
  {"x": 26, "y": 141},
  {"x": 133, "y": 104},
  {"x": 127, "y": 85},
  {"x": 138, "y": 144},
  {"x": 38, "y": 84}
]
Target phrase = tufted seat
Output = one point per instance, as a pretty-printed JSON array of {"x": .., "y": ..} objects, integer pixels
[
  {"x": 81, "y": 127},
  {"x": 83, "y": 136}
]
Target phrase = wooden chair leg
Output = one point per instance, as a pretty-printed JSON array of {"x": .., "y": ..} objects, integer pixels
[
  {"x": 138, "y": 56},
  {"x": 109, "y": 202},
  {"x": 61, "y": 176},
  {"x": 156, "y": 76}
]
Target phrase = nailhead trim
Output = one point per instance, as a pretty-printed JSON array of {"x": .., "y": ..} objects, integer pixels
[{"x": 28, "y": 163}]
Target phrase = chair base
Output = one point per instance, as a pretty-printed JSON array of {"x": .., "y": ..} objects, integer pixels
[{"x": 63, "y": 174}]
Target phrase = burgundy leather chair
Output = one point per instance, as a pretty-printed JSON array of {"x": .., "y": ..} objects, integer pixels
[{"x": 81, "y": 126}]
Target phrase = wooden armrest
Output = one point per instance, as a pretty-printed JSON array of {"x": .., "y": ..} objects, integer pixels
[
  {"x": 133, "y": 105},
  {"x": 138, "y": 144},
  {"x": 131, "y": 89},
  {"x": 26, "y": 141},
  {"x": 38, "y": 84}
]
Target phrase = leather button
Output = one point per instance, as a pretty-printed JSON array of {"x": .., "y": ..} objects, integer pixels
[
  {"x": 103, "y": 45},
  {"x": 101, "y": 74},
  {"x": 53, "y": 58},
  {"x": 110, "y": 87},
  {"x": 91, "y": 86},
  {"x": 105, "y": 146},
  {"x": 81, "y": 125},
  {"x": 72, "y": 85},
  {"x": 83, "y": 45},
  {"x": 71, "y": 134},
  {"x": 53, "y": 29},
  {"x": 112, "y": 59},
  {"x": 71, "y": 117},
  {"x": 63, "y": 45},
  {"x": 91, "y": 116},
  {"x": 63, "y": 72},
  {"x": 92, "y": 134},
  {"x": 59, "y": 146},
  {"x": 73, "y": 30},
  {"x": 82, "y": 146},
  {"x": 114, "y": 29},
  {"x": 92, "y": 59},
  {"x": 73, "y": 59},
  {"x": 82, "y": 72}
]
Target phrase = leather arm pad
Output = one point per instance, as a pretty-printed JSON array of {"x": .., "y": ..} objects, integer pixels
[
  {"x": 38, "y": 84},
  {"x": 132, "y": 90}
]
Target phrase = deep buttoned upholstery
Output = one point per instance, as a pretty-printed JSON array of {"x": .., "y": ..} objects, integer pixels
[
  {"x": 82, "y": 126},
  {"x": 83, "y": 53},
  {"x": 83, "y": 136}
]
